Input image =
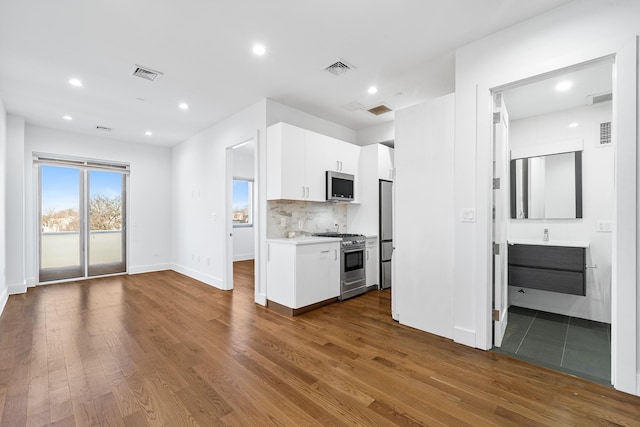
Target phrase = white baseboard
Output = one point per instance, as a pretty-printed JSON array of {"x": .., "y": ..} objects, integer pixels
[
  {"x": 638, "y": 385},
  {"x": 19, "y": 288},
  {"x": 139, "y": 269},
  {"x": 31, "y": 282},
  {"x": 464, "y": 336},
  {"x": 4, "y": 297},
  {"x": 204, "y": 278},
  {"x": 243, "y": 257},
  {"x": 261, "y": 299}
]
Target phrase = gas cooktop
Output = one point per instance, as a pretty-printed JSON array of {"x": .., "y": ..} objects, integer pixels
[{"x": 334, "y": 234}]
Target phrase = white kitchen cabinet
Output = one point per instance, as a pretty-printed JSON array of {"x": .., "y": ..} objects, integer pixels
[
  {"x": 385, "y": 162},
  {"x": 297, "y": 160},
  {"x": 342, "y": 156},
  {"x": 302, "y": 272},
  {"x": 295, "y": 164},
  {"x": 372, "y": 265}
]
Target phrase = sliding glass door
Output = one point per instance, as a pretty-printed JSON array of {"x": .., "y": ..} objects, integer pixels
[
  {"x": 61, "y": 212},
  {"x": 106, "y": 223},
  {"x": 82, "y": 220}
]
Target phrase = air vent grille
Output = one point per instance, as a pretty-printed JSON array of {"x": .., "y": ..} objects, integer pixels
[
  {"x": 103, "y": 128},
  {"x": 380, "y": 109},
  {"x": 145, "y": 73},
  {"x": 605, "y": 133},
  {"x": 338, "y": 68},
  {"x": 598, "y": 98}
]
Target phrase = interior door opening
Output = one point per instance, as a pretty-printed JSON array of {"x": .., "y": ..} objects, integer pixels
[
  {"x": 82, "y": 211},
  {"x": 241, "y": 212},
  {"x": 543, "y": 197}
]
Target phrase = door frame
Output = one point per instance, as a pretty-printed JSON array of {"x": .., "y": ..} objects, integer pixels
[
  {"x": 228, "y": 216},
  {"x": 85, "y": 165},
  {"x": 624, "y": 375}
]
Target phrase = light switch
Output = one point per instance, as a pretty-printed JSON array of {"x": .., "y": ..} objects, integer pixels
[
  {"x": 603, "y": 226},
  {"x": 468, "y": 215}
]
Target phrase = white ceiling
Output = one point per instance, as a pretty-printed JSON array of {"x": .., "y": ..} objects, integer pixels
[
  {"x": 540, "y": 96},
  {"x": 203, "y": 47}
]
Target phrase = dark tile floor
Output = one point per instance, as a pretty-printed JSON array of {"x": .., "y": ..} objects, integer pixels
[{"x": 576, "y": 346}]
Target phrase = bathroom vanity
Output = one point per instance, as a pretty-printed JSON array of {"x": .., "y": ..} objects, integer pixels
[{"x": 548, "y": 266}]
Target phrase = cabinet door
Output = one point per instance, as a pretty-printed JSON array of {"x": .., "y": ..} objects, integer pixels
[
  {"x": 385, "y": 163},
  {"x": 349, "y": 158},
  {"x": 313, "y": 273},
  {"x": 281, "y": 280},
  {"x": 342, "y": 156},
  {"x": 372, "y": 267},
  {"x": 315, "y": 159},
  {"x": 292, "y": 166}
]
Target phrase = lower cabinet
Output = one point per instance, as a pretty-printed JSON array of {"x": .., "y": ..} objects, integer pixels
[
  {"x": 372, "y": 266},
  {"x": 300, "y": 275},
  {"x": 548, "y": 268}
]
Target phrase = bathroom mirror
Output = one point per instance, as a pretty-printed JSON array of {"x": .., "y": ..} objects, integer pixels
[{"x": 547, "y": 187}]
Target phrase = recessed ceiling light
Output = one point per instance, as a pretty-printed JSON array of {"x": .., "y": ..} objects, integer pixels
[
  {"x": 573, "y": 125},
  {"x": 148, "y": 133},
  {"x": 372, "y": 89},
  {"x": 67, "y": 117},
  {"x": 75, "y": 82},
  {"x": 183, "y": 106},
  {"x": 259, "y": 49},
  {"x": 565, "y": 85}
]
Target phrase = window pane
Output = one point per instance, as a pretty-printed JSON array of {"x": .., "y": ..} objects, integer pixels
[
  {"x": 242, "y": 196},
  {"x": 60, "y": 241}
]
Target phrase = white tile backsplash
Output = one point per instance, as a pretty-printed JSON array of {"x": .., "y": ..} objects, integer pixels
[{"x": 304, "y": 217}]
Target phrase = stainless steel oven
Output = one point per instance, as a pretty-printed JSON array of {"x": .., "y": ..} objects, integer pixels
[{"x": 352, "y": 264}]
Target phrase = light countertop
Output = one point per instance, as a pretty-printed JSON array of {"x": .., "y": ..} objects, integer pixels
[
  {"x": 305, "y": 240},
  {"x": 565, "y": 243}
]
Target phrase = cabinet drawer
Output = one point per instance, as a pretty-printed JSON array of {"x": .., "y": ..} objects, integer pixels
[
  {"x": 567, "y": 282},
  {"x": 551, "y": 257}
]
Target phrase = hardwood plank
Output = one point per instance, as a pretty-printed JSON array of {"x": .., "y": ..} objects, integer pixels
[{"x": 162, "y": 349}]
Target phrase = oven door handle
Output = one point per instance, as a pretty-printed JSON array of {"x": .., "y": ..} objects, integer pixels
[
  {"x": 353, "y": 281},
  {"x": 349, "y": 251}
]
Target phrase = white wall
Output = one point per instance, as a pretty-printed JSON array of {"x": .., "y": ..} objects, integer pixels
[
  {"x": 383, "y": 132},
  {"x": 423, "y": 235},
  {"x": 281, "y": 113},
  {"x": 573, "y": 33},
  {"x": 4, "y": 294},
  {"x": 243, "y": 237},
  {"x": 597, "y": 203},
  {"x": 199, "y": 197},
  {"x": 149, "y": 193},
  {"x": 15, "y": 200}
]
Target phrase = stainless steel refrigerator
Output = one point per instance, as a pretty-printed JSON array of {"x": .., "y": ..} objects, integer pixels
[{"x": 386, "y": 233}]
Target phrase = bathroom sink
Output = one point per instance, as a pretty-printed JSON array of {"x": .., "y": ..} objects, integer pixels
[{"x": 564, "y": 243}]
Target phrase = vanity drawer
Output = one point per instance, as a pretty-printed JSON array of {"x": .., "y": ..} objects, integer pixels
[
  {"x": 566, "y": 282},
  {"x": 548, "y": 268},
  {"x": 551, "y": 257}
]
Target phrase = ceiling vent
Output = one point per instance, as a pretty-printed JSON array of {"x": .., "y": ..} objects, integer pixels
[
  {"x": 338, "y": 68},
  {"x": 601, "y": 97},
  {"x": 145, "y": 73},
  {"x": 380, "y": 109},
  {"x": 103, "y": 128}
]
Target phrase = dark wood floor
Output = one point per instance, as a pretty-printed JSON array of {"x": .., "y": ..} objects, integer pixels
[{"x": 163, "y": 349}]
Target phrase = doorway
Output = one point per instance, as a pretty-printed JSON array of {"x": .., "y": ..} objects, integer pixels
[
  {"x": 241, "y": 203},
  {"x": 82, "y": 218},
  {"x": 553, "y": 164}
]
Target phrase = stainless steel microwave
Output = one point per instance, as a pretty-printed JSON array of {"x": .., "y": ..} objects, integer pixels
[{"x": 339, "y": 186}]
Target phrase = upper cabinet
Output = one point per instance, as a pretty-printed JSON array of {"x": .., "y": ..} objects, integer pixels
[
  {"x": 341, "y": 156},
  {"x": 385, "y": 162},
  {"x": 297, "y": 160}
]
